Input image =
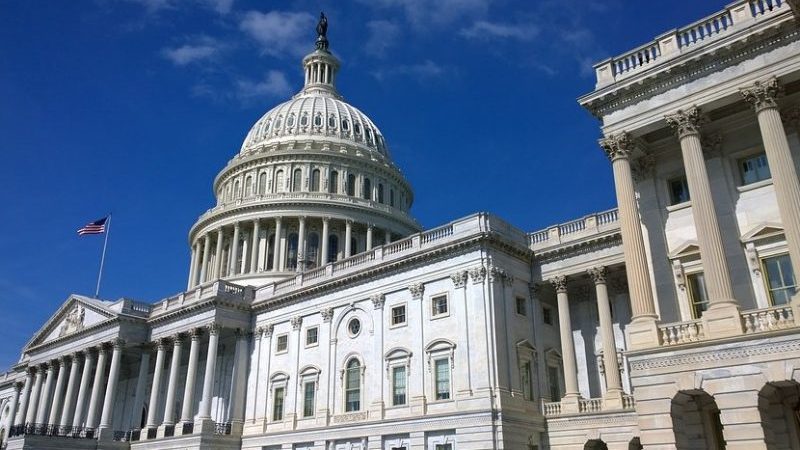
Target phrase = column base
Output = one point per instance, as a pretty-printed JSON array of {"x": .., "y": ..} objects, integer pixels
[
  {"x": 105, "y": 434},
  {"x": 722, "y": 320},
  {"x": 612, "y": 400},
  {"x": 162, "y": 430},
  {"x": 569, "y": 404},
  {"x": 204, "y": 426},
  {"x": 643, "y": 333}
]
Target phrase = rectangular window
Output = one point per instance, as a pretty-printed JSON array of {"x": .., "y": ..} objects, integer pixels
[
  {"x": 282, "y": 343},
  {"x": 312, "y": 336},
  {"x": 308, "y": 398},
  {"x": 399, "y": 315},
  {"x": 678, "y": 190},
  {"x": 522, "y": 308},
  {"x": 439, "y": 304},
  {"x": 277, "y": 404},
  {"x": 553, "y": 381},
  {"x": 754, "y": 168},
  {"x": 780, "y": 279},
  {"x": 444, "y": 447},
  {"x": 698, "y": 296},
  {"x": 399, "y": 386},
  {"x": 525, "y": 380},
  {"x": 442, "y": 378},
  {"x": 547, "y": 315}
]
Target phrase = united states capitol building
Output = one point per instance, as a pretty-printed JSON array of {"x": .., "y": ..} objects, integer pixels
[{"x": 318, "y": 314}]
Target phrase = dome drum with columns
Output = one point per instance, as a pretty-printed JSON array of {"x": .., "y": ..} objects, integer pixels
[{"x": 313, "y": 183}]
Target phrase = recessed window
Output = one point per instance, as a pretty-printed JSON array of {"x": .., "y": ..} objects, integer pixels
[
  {"x": 439, "y": 305},
  {"x": 553, "y": 380},
  {"x": 399, "y": 315},
  {"x": 304, "y": 120},
  {"x": 282, "y": 343},
  {"x": 352, "y": 386},
  {"x": 522, "y": 306},
  {"x": 754, "y": 168},
  {"x": 277, "y": 404},
  {"x": 547, "y": 315},
  {"x": 442, "y": 378},
  {"x": 354, "y": 327},
  {"x": 698, "y": 296},
  {"x": 345, "y": 125},
  {"x": 318, "y": 120},
  {"x": 678, "y": 190},
  {"x": 309, "y": 389},
  {"x": 332, "y": 122},
  {"x": 444, "y": 447},
  {"x": 312, "y": 336},
  {"x": 357, "y": 128},
  {"x": 290, "y": 121},
  {"x": 399, "y": 385},
  {"x": 780, "y": 279},
  {"x": 526, "y": 380}
]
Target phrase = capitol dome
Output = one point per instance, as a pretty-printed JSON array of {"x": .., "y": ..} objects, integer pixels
[{"x": 313, "y": 183}]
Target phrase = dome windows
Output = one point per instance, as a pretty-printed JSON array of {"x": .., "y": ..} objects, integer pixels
[
  {"x": 357, "y": 129},
  {"x": 332, "y": 122},
  {"x": 354, "y": 327},
  {"x": 333, "y": 184},
  {"x": 304, "y": 119},
  {"x": 318, "y": 120},
  {"x": 290, "y": 121},
  {"x": 345, "y": 125}
]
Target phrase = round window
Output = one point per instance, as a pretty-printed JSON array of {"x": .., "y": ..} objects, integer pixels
[{"x": 354, "y": 327}]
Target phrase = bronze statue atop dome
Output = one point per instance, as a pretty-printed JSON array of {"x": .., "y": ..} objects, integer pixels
[{"x": 322, "y": 32}]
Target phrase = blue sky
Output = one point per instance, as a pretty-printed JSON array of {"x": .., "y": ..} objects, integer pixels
[{"x": 133, "y": 106}]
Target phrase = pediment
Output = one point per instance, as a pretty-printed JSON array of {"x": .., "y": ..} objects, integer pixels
[
  {"x": 75, "y": 315},
  {"x": 761, "y": 231},
  {"x": 689, "y": 248}
]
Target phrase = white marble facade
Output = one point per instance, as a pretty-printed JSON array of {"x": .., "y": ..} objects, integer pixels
[{"x": 318, "y": 315}]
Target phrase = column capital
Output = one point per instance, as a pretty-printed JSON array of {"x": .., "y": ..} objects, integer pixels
[
  {"x": 416, "y": 289},
  {"x": 213, "y": 328},
  {"x": 534, "y": 288},
  {"x": 326, "y": 219},
  {"x": 32, "y": 370},
  {"x": 296, "y": 322},
  {"x": 686, "y": 122},
  {"x": 62, "y": 361},
  {"x": 268, "y": 329},
  {"x": 559, "y": 283},
  {"x": 75, "y": 356},
  {"x": 478, "y": 274},
  {"x": 327, "y": 314},
  {"x": 162, "y": 344},
  {"x": 196, "y": 333},
  {"x": 378, "y": 300},
  {"x": 763, "y": 94},
  {"x": 236, "y": 225},
  {"x": 177, "y": 339},
  {"x": 117, "y": 343},
  {"x": 617, "y": 146},
  {"x": 89, "y": 353},
  {"x": 17, "y": 386},
  {"x": 597, "y": 274},
  {"x": 459, "y": 278}
]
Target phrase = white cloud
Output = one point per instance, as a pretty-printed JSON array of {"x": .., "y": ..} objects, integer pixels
[
  {"x": 204, "y": 49},
  {"x": 154, "y": 6},
  {"x": 427, "y": 13},
  {"x": 274, "y": 85},
  {"x": 421, "y": 71},
  {"x": 382, "y": 35},
  {"x": 280, "y": 33},
  {"x": 483, "y": 29}
]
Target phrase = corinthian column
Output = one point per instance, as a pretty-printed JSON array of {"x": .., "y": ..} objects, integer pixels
[
  {"x": 254, "y": 247},
  {"x": 172, "y": 383},
  {"x": 208, "y": 380},
  {"x": 233, "y": 267},
  {"x": 97, "y": 385},
  {"x": 763, "y": 97},
  {"x": 613, "y": 395},
  {"x": 58, "y": 394},
  {"x": 155, "y": 389},
  {"x": 193, "y": 266},
  {"x": 69, "y": 397},
  {"x": 348, "y": 235},
  {"x": 12, "y": 412},
  {"x": 642, "y": 331},
  {"x": 722, "y": 317},
  {"x": 218, "y": 255},
  {"x": 206, "y": 259},
  {"x": 571, "y": 394},
  {"x": 276, "y": 252},
  {"x": 325, "y": 243},
  {"x": 45, "y": 396},
  {"x": 187, "y": 415},
  {"x": 301, "y": 244},
  {"x": 23, "y": 405},
  {"x": 36, "y": 392},
  {"x": 86, "y": 376},
  {"x": 106, "y": 430}
]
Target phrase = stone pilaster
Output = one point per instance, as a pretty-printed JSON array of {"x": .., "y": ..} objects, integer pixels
[
  {"x": 612, "y": 398},
  {"x": 569, "y": 404}
]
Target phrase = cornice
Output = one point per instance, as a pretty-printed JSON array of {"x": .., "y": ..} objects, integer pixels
[{"x": 591, "y": 243}]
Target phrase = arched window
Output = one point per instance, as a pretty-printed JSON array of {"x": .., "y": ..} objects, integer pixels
[
  {"x": 333, "y": 248},
  {"x": 351, "y": 185},
  {"x": 352, "y": 386},
  {"x": 367, "y": 189},
  {"x": 312, "y": 250},
  {"x": 248, "y": 186},
  {"x": 236, "y": 191},
  {"x": 291, "y": 253},
  {"x": 262, "y": 183},
  {"x": 228, "y": 192},
  {"x": 332, "y": 122},
  {"x": 380, "y": 193},
  {"x": 280, "y": 183},
  {"x": 297, "y": 180},
  {"x": 391, "y": 197},
  {"x": 345, "y": 125},
  {"x": 333, "y": 183},
  {"x": 270, "y": 251},
  {"x": 315, "y": 180}
]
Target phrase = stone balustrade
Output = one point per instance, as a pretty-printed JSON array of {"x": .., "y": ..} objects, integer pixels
[
  {"x": 681, "y": 332},
  {"x": 218, "y": 289},
  {"x": 593, "y": 224},
  {"x": 737, "y": 16},
  {"x": 768, "y": 319},
  {"x": 551, "y": 409},
  {"x": 590, "y": 405},
  {"x": 587, "y": 406}
]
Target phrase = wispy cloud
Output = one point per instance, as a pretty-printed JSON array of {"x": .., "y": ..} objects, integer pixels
[
  {"x": 382, "y": 35},
  {"x": 483, "y": 29},
  {"x": 203, "y": 49},
  {"x": 279, "y": 33},
  {"x": 155, "y": 6},
  {"x": 422, "y": 71},
  {"x": 423, "y": 14},
  {"x": 273, "y": 85}
]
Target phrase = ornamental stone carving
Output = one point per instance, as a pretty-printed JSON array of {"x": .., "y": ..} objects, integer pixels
[
  {"x": 117, "y": 343},
  {"x": 762, "y": 94},
  {"x": 478, "y": 274},
  {"x": 597, "y": 274},
  {"x": 378, "y": 300},
  {"x": 268, "y": 329},
  {"x": 327, "y": 314},
  {"x": 685, "y": 122},
  {"x": 296, "y": 322},
  {"x": 73, "y": 322},
  {"x": 559, "y": 283},
  {"x": 213, "y": 328},
  {"x": 416, "y": 289},
  {"x": 617, "y": 146},
  {"x": 459, "y": 278},
  {"x": 196, "y": 333},
  {"x": 498, "y": 274}
]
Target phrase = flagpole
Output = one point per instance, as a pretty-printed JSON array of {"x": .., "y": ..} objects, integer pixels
[{"x": 103, "y": 258}]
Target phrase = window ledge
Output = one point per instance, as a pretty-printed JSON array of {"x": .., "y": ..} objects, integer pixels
[
  {"x": 753, "y": 186},
  {"x": 398, "y": 325},
  {"x": 679, "y": 206}
]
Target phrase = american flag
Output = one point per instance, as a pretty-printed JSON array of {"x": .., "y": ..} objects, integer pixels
[{"x": 96, "y": 227}]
